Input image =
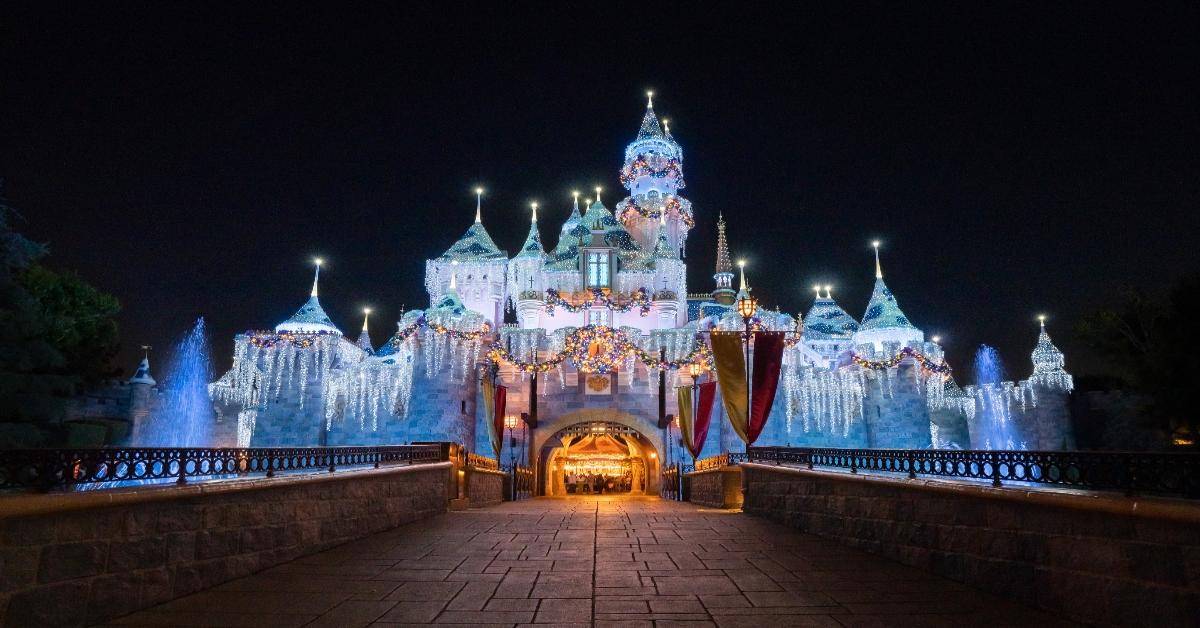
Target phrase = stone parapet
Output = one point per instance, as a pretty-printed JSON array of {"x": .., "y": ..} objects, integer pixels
[
  {"x": 80, "y": 559},
  {"x": 1098, "y": 558},
  {"x": 718, "y": 488}
]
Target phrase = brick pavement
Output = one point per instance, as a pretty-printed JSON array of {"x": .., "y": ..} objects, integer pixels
[{"x": 602, "y": 561}]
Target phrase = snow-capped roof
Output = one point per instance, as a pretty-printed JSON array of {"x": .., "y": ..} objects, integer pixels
[
  {"x": 882, "y": 311},
  {"x": 826, "y": 320}
]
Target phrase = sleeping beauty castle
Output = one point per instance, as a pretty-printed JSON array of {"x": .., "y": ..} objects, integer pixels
[{"x": 589, "y": 340}]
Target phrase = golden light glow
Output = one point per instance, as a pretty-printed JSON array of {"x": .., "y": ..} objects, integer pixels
[
  {"x": 741, "y": 263},
  {"x": 937, "y": 339},
  {"x": 318, "y": 261},
  {"x": 510, "y": 421},
  {"x": 366, "y": 310},
  {"x": 747, "y": 306},
  {"x": 478, "y": 191},
  {"x": 694, "y": 370}
]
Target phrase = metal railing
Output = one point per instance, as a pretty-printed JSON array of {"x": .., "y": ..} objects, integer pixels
[
  {"x": 521, "y": 479},
  {"x": 671, "y": 482},
  {"x": 46, "y": 469},
  {"x": 1172, "y": 474}
]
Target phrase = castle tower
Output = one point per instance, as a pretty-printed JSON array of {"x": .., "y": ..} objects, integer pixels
[
  {"x": 525, "y": 276},
  {"x": 653, "y": 174},
  {"x": 723, "y": 293},
  {"x": 669, "y": 279},
  {"x": 480, "y": 267},
  {"x": 884, "y": 328},
  {"x": 311, "y": 317}
]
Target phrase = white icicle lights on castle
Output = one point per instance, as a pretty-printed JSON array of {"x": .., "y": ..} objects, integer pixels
[{"x": 597, "y": 317}]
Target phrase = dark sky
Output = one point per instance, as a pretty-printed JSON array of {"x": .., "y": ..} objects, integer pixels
[{"x": 1014, "y": 158}]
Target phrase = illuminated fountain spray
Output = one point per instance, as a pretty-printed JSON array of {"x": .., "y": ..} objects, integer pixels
[
  {"x": 995, "y": 415},
  {"x": 185, "y": 416}
]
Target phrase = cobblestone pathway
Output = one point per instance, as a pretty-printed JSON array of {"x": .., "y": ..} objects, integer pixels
[{"x": 607, "y": 561}]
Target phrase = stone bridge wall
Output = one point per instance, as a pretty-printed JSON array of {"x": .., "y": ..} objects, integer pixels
[
  {"x": 1097, "y": 558},
  {"x": 80, "y": 559}
]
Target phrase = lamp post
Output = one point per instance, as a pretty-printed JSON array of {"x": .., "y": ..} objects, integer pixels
[
  {"x": 694, "y": 370},
  {"x": 510, "y": 422},
  {"x": 746, "y": 307}
]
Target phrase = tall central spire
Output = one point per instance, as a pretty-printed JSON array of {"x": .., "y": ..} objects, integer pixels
[
  {"x": 724, "y": 264},
  {"x": 650, "y": 126},
  {"x": 316, "y": 275}
]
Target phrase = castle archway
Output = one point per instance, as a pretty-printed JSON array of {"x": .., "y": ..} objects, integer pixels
[{"x": 577, "y": 448}]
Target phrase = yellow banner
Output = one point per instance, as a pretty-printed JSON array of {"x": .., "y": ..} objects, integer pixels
[
  {"x": 731, "y": 375},
  {"x": 686, "y": 426},
  {"x": 489, "y": 413}
]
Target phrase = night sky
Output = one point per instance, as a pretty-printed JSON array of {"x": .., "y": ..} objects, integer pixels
[{"x": 191, "y": 158}]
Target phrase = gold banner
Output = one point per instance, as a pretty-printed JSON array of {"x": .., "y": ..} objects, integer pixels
[
  {"x": 686, "y": 426},
  {"x": 489, "y": 413},
  {"x": 731, "y": 375}
]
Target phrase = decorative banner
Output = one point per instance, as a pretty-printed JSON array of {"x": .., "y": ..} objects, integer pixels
[
  {"x": 730, "y": 363},
  {"x": 768, "y": 360},
  {"x": 598, "y": 384},
  {"x": 695, "y": 429},
  {"x": 498, "y": 419},
  {"x": 489, "y": 412}
]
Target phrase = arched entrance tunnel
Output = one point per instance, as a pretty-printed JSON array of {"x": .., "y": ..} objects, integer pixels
[{"x": 571, "y": 457}]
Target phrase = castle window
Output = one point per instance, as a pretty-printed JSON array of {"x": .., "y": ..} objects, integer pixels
[
  {"x": 597, "y": 269},
  {"x": 598, "y": 317}
]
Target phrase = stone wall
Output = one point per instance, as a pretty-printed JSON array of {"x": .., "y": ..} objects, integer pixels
[
  {"x": 82, "y": 558},
  {"x": 485, "y": 488},
  {"x": 718, "y": 488},
  {"x": 1096, "y": 558}
]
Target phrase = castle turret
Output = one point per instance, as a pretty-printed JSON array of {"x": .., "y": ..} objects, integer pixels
[
  {"x": 481, "y": 270},
  {"x": 653, "y": 174},
  {"x": 364, "y": 338},
  {"x": 525, "y": 275},
  {"x": 884, "y": 328},
  {"x": 723, "y": 293},
  {"x": 828, "y": 329},
  {"x": 311, "y": 317}
]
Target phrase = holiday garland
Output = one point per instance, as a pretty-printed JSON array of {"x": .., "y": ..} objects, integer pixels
[
  {"x": 670, "y": 206},
  {"x": 599, "y": 349},
  {"x": 404, "y": 332},
  {"x": 641, "y": 166},
  {"x": 925, "y": 361},
  {"x": 302, "y": 340},
  {"x": 639, "y": 298}
]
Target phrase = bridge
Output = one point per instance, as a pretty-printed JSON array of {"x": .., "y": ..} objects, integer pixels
[{"x": 428, "y": 534}]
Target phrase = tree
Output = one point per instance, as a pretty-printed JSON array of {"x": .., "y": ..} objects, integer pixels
[
  {"x": 56, "y": 331},
  {"x": 1145, "y": 340}
]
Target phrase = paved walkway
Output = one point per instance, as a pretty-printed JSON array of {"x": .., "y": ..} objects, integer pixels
[{"x": 604, "y": 561}]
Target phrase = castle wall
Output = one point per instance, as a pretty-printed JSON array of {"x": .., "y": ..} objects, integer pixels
[{"x": 895, "y": 410}]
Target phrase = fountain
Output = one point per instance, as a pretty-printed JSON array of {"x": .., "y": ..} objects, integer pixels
[
  {"x": 184, "y": 418},
  {"x": 995, "y": 416}
]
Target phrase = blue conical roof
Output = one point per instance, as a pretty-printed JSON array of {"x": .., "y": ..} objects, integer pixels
[
  {"x": 310, "y": 318},
  {"x": 882, "y": 311},
  {"x": 825, "y": 320},
  {"x": 615, "y": 235},
  {"x": 475, "y": 245},
  {"x": 573, "y": 234},
  {"x": 533, "y": 245}
]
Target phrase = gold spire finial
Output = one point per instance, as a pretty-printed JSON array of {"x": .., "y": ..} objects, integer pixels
[
  {"x": 828, "y": 291},
  {"x": 649, "y": 99},
  {"x": 317, "y": 274},
  {"x": 366, "y": 316},
  {"x": 597, "y": 194},
  {"x": 878, "y": 268},
  {"x": 534, "y": 205},
  {"x": 478, "y": 204}
]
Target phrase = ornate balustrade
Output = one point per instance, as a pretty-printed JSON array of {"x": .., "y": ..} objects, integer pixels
[
  {"x": 45, "y": 469},
  {"x": 477, "y": 461},
  {"x": 1173, "y": 474}
]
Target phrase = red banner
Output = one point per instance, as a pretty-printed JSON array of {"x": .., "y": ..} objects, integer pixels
[
  {"x": 498, "y": 420},
  {"x": 764, "y": 379},
  {"x": 708, "y": 395}
]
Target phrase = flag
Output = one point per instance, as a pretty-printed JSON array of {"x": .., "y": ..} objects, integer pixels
[
  {"x": 695, "y": 429},
  {"x": 768, "y": 360},
  {"x": 731, "y": 375}
]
